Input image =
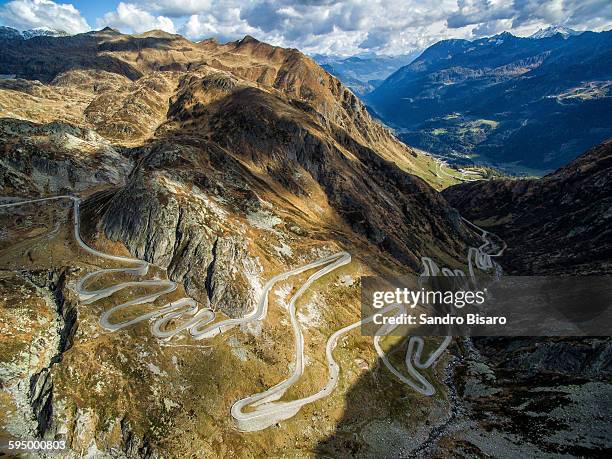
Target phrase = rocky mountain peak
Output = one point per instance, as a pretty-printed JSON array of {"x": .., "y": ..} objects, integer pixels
[
  {"x": 551, "y": 31},
  {"x": 10, "y": 33},
  {"x": 248, "y": 39}
]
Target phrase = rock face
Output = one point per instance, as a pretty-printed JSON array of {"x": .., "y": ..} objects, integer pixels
[
  {"x": 56, "y": 158},
  {"x": 561, "y": 223},
  {"x": 222, "y": 165}
]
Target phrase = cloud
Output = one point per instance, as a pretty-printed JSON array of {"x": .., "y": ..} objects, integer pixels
[
  {"x": 129, "y": 17},
  {"x": 28, "y": 14},
  {"x": 525, "y": 16},
  {"x": 177, "y": 8},
  {"x": 325, "y": 26},
  {"x": 578, "y": 14},
  {"x": 386, "y": 26},
  {"x": 480, "y": 13},
  {"x": 225, "y": 24}
]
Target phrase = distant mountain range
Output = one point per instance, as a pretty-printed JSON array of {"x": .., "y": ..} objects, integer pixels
[
  {"x": 363, "y": 74},
  {"x": 522, "y": 104},
  {"x": 9, "y": 32},
  {"x": 554, "y": 30}
]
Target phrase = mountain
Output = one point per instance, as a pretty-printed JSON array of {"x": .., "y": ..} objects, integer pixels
[
  {"x": 554, "y": 30},
  {"x": 558, "y": 225},
  {"x": 242, "y": 181},
  {"x": 9, "y": 32},
  {"x": 515, "y": 103},
  {"x": 362, "y": 74},
  {"x": 571, "y": 236},
  {"x": 43, "y": 32},
  {"x": 223, "y": 166}
]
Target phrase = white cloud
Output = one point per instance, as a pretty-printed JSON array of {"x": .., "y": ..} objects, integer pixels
[
  {"x": 224, "y": 25},
  {"x": 177, "y": 8},
  {"x": 325, "y": 26},
  {"x": 129, "y": 17},
  {"x": 29, "y": 14},
  {"x": 523, "y": 17},
  {"x": 384, "y": 26}
]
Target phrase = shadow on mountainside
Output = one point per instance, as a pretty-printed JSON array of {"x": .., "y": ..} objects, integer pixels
[
  {"x": 384, "y": 418},
  {"x": 501, "y": 397}
]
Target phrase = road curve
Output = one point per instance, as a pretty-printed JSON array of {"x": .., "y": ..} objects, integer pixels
[
  {"x": 439, "y": 171},
  {"x": 139, "y": 268},
  {"x": 264, "y": 409},
  {"x": 477, "y": 257}
]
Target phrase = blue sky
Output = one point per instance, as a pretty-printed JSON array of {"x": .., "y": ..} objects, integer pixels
[
  {"x": 344, "y": 27},
  {"x": 92, "y": 10}
]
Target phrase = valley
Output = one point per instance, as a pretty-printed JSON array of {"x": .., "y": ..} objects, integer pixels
[
  {"x": 523, "y": 105},
  {"x": 184, "y": 229}
]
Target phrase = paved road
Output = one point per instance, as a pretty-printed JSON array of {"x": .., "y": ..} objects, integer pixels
[
  {"x": 439, "y": 171},
  {"x": 264, "y": 409},
  {"x": 477, "y": 257}
]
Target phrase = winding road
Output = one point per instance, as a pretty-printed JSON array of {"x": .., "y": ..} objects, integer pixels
[
  {"x": 478, "y": 257},
  {"x": 439, "y": 171},
  {"x": 264, "y": 409}
]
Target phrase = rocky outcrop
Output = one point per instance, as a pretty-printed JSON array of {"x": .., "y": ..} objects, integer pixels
[
  {"x": 279, "y": 139},
  {"x": 56, "y": 158},
  {"x": 564, "y": 358},
  {"x": 31, "y": 381},
  {"x": 41, "y": 383},
  {"x": 164, "y": 217}
]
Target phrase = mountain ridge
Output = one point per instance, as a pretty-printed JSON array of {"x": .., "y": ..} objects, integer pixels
[
  {"x": 553, "y": 30},
  {"x": 504, "y": 99},
  {"x": 216, "y": 169},
  {"x": 9, "y": 32}
]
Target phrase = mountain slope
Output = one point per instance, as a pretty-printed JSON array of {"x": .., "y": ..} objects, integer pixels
[
  {"x": 103, "y": 71},
  {"x": 223, "y": 165},
  {"x": 560, "y": 223},
  {"x": 504, "y": 100}
]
